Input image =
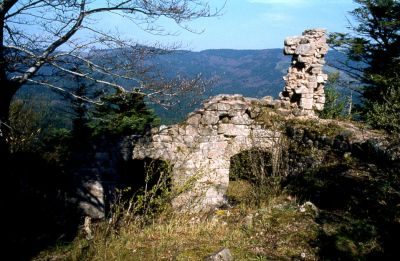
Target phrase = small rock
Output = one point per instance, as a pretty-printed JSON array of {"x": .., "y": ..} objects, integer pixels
[
  {"x": 87, "y": 229},
  {"x": 222, "y": 255},
  {"x": 309, "y": 207},
  {"x": 248, "y": 221}
]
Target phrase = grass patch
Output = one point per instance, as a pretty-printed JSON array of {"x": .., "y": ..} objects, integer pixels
[
  {"x": 331, "y": 206},
  {"x": 277, "y": 231},
  {"x": 315, "y": 127}
]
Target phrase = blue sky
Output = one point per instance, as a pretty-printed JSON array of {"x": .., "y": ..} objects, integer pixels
[{"x": 249, "y": 24}]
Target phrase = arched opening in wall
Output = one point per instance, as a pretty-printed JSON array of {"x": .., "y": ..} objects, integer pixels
[
  {"x": 251, "y": 176},
  {"x": 251, "y": 165},
  {"x": 145, "y": 183}
]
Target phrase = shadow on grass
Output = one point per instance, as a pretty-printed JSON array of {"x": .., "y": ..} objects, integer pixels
[{"x": 359, "y": 209}]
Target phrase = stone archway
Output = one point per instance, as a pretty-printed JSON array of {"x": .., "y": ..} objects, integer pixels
[
  {"x": 200, "y": 148},
  {"x": 252, "y": 165},
  {"x": 137, "y": 175},
  {"x": 252, "y": 176}
]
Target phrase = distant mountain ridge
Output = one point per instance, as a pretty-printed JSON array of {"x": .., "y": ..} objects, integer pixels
[
  {"x": 249, "y": 72},
  {"x": 252, "y": 73}
]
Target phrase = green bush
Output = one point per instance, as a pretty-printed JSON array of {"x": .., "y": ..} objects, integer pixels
[
  {"x": 335, "y": 103},
  {"x": 385, "y": 115}
]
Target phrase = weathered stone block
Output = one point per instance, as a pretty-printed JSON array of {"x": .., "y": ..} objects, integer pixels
[
  {"x": 233, "y": 130},
  {"x": 254, "y": 112},
  {"x": 191, "y": 130},
  {"x": 319, "y": 106},
  {"x": 324, "y": 49},
  {"x": 305, "y": 59},
  {"x": 188, "y": 140},
  {"x": 308, "y": 95},
  {"x": 320, "y": 79},
  {"x": 312, "y": 78},
  {"x": 292, "y": 40},
  {"x": 316, "y": 70},
  {"x": 262, "y": 133},
  {"x": 165, "y": 138},
  {"x": 205, "y": 130},
  {"x": 223, "y": 107},
  {"x": 241, "y": 119},
  {"x": 194, "y": 119},
  {"x": 288, "y": 50},
  {"x": 239, "y": 106},
  {"x": 305, "y": 49},
  {"x": 92, "y": 199},
  {"x": 267, "y": 99},
  {"x": 306, "y": 104},
  {"x": 312, "y": 85},
  {"x": 214, "y": 149},
  {"x": 301, "y": 90},
  {"x": 209, "y": 118}
]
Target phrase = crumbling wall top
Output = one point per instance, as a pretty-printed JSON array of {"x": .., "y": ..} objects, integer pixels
[{"x": 304, "y": 83}]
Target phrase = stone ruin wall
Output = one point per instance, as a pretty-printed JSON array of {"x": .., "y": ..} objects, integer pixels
[
  {"x": 200, "y": 148},
  {"x": 304, "y": 83}
]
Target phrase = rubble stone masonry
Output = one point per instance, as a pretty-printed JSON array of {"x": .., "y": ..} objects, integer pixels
[{"x": 304, "y": 83}]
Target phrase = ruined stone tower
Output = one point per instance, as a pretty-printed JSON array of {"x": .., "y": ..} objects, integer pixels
[
  {"x": 304, "y": 88},
  {"x": 200, "y": 148}
]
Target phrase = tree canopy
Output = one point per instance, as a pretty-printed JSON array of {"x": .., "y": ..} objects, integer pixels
[{"x": 375, "y": 42}]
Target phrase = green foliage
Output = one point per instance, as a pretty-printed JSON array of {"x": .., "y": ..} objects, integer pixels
[
  {"x": 331, "y": 207},
  {"x": 122, "y": 114},
  {"x": 56, "y": 146},
  {"x": 264, "y": 172},
  {"x": 32, "y": 125},
  {"x": 335, "y": 103},
  {"x": 254, "y": 165},
  {"x": 80, "y": 110},
  {"x": 153, "y": 197},
  {"x": 385, "y": 114},
  {"x": 375, "y": 43},
  {"x": 376, "y": 34},
  {"x": 25, "y": 126}
]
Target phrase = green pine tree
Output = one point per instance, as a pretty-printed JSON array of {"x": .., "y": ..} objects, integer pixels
[
  {"x": 122, "y": 114},
  {"x": 375, "y": 42}
]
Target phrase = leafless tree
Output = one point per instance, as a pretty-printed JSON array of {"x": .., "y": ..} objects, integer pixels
[{"x": 37, "y": 34}]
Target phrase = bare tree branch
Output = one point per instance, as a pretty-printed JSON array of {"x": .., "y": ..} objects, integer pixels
[
  {"x": 63, "y": 90},
  {"x": 40, "y": 39}
]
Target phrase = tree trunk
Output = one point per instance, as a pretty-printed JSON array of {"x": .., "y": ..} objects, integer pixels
[{"x": 7, "y": 91}]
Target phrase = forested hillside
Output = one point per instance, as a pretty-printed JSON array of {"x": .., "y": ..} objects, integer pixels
[{"x": 252, "y": 73}]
